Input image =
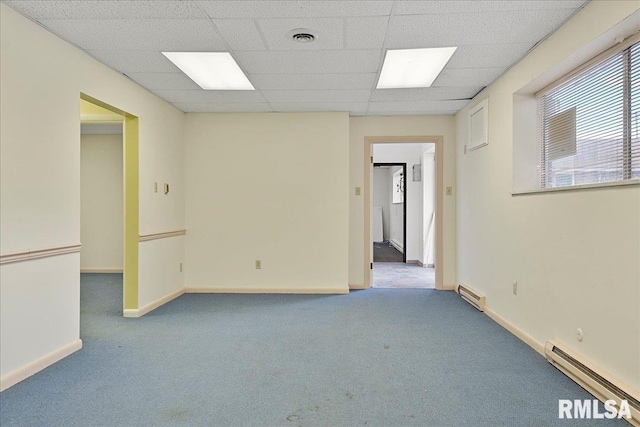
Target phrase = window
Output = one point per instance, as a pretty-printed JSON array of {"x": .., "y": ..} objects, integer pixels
[{"x": 589, "y": 125}]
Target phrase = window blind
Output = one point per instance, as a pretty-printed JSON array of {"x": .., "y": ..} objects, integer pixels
[
  {"x": 588, "y": 125},
  {"x": 634, "y": 110}
]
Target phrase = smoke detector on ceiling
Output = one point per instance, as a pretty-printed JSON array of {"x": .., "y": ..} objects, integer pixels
[{"x": 302, "y": 35}]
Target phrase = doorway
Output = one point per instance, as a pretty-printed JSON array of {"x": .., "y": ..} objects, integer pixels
[
  {"x": 99, "y": 118},
  {"x": 389, "y": 218},
  {"x": 427, "y": 235},
  {"x": 399, "y": 195}
]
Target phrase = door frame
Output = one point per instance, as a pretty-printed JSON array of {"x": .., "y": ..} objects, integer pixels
[
  {"x": 404, "y": 207},
  {"x": 131, "y": 179},
  {"x": 368, "y": 170}
]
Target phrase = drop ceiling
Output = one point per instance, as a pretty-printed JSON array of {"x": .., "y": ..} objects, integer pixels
[{"x": 337, "y": 72}]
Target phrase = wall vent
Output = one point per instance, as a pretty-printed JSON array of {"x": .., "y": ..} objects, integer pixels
[
  {"x": 471, "y": 296},
  {"x": 597, "y": 382}
]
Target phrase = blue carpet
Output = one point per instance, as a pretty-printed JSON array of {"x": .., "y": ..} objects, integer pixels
[{"x": 376, "y": 358}]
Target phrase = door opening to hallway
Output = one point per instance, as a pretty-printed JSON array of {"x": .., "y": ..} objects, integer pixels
[
  {"x": 109, "y": 192},
  {"x": 389, "y": 212},
  {"x": 101, "y": 208},
  {"x": 403, "y": 215}
]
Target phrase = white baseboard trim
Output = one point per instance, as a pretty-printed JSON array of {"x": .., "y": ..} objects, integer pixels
[
  {"x": 397, "y": 246},
  {"x": 357, "y": 286},
  {"x": 523, "y": 336},
  {"x": 139, "y": 312},
  {"x": 14, "y": 377},
  {"x": 344, "y": 290},
  {"x": 100, "y": 270}
]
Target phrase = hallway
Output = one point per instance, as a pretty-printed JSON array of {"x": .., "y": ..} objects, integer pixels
[{"x": 401, "y": 275}]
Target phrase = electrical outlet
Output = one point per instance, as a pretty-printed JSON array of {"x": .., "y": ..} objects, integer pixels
[
  {"x": 180, "y": 267},
  {"x": 579, "y": 335},
  {"x": 258, "y": 264},
  {"x": 515, "y": 288}
]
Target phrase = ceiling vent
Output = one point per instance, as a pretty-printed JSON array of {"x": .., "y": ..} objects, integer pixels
[{"x": 302, "y": 35}]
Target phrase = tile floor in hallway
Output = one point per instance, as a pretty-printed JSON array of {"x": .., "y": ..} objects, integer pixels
[{"x": 401, "y": 275}]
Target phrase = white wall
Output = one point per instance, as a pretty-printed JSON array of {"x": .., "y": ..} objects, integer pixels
[
  {"x": 40, "y": 179},
  {"x": 101, "y": 202},
  {"x": 396, "y": 213},
  {"x": 428, "y": 207},
  {"x": 381, "y": 196},
  {"x": 271, "y": 187},
  {"x": 359, "y": 128},
  {"x": 575, "y": 254}
]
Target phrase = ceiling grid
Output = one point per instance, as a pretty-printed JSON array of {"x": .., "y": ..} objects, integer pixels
[{"x": 338, "y": 71}]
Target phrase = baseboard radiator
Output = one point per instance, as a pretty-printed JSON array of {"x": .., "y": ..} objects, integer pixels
[
  {"x": 592, "y": 379},
  {"x": 471, "y": 296}
]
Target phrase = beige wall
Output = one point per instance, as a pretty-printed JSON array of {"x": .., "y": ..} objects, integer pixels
[
  {"x": 41, "y": 78},
  {"x": 271, "y": 187},
  {"x": 576, "y": 254},
  {"x": 101, "y": 202},
  {"x": 399, "y": 126}
]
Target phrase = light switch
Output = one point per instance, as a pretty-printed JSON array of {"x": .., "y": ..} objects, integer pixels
[
  {"x": 449, "y": 191},
  {"x": 155, "y": 187},
  {"x": 357, "y": 191}
]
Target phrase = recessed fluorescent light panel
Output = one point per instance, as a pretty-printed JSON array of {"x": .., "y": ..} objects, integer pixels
[
  {"x": 211, "y": 70},
  {"x": 410, "y": 68}
]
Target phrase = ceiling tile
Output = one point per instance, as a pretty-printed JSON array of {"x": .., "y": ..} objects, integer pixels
[
  {"x": 132, "y": 61},
  {"x": 468, "y": 76},
  {"x": 210, "y": 96},
  {"x": 226, "y": 107},
  {"x": 322, "y": 61},
  {"x": 240, "y": 34},
  {"x": 139, "y": 34},
  {"x": 424, "y": 94},
  {"x": 415, "y": 106},
  {"x": 488, "y": 56},
  {"x": 164, "y": 81},
  {"x": 335, "y": 73},
  {"x": 358, "y": 108},
  {"x": 108, "y": 9},
  {"x": 410, "y": 31},
  {"x": 299, "y": 9},
  {"x": 317, "y": 95},
  {"x": 366, "y": 33},
  {"x": 329, "y": 33},
  {"x": 474, "y": 6},
  {"x": 283, "y": 81},
  {"x": 439, "y": 112}
]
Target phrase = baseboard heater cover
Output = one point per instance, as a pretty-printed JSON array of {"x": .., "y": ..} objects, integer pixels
[
  {"x": 471, "y": 296},
  {"x": 593, "y": 379}
]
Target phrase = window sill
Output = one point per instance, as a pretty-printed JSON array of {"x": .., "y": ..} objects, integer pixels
[{"x": 626, "y": 183}]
